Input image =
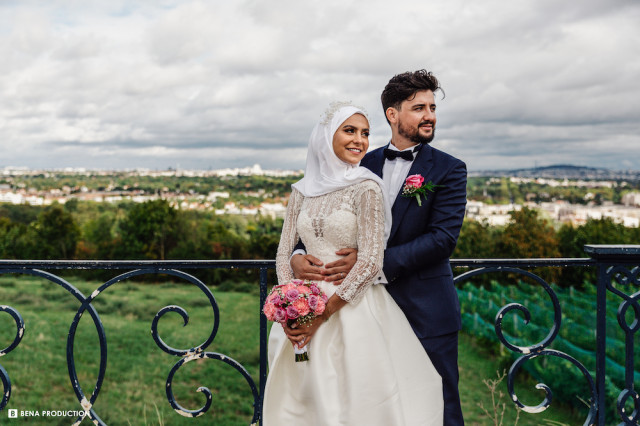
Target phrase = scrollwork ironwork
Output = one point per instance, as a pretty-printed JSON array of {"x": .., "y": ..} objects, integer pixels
[
  {"x": 187, "y": 355},
  {"x": 626, "y": 277},
  {"x": 4, "y": 376},
  {"x": 206, "y": 355},
  {"x": 537, "y": 349}
]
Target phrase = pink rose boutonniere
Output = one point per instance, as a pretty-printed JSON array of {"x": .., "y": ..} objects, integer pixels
[{"x": 414, "y": 186}]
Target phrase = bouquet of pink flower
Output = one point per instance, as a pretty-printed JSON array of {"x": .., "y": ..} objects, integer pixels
[{"x": 296, "y": 301}]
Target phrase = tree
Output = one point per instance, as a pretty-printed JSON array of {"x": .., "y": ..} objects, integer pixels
[
  {"x": 6, "y": 226},
  {"x": 98, "y": 241},
  {"x": 56, "y": 234},
  {"x": 22, "y": 213},
  {"x": 149, "y": 231},
  {"x": 596, "y": 231},
  {"x": 264, "y": 237},
  {"x": 528, "y": 236},
  {"x": 476, "y": 240}
]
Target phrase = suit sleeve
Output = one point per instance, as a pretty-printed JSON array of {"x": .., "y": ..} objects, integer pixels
[
  {"x": 299, "y": 246},
  {"x": 439, "y": 239}
]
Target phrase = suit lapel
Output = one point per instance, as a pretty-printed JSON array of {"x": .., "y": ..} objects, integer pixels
[
  {"x": 377, "y": 161},
  {"x": 422, "y": 166}
]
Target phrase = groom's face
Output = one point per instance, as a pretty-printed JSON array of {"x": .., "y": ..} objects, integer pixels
[{"x": 417, "y": 117}]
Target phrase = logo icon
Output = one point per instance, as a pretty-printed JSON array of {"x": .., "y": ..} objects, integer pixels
[{"x": 13, "y": 413}]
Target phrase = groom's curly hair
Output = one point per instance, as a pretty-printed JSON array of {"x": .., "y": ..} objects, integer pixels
[{"x": 404, "y": 86}]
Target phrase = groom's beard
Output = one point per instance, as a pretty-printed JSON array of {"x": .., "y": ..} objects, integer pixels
[{"x": 413, "y": 134}]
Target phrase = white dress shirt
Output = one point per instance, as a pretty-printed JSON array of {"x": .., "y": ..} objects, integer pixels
[{"x": 394, "y": 173}]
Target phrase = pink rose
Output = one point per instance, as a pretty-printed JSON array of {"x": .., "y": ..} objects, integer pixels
[
  {"x": 273, "y": 297},
  {"x": 314, "y": 289},
  {"x": 320, "y": 308},
  {"x": 292, "y": 294},
  {"x": 303, "y": 289},
  {"x": 324, "y": 298},
  {"x": 302, "y": 306},
  {"x": 313, "y": 302},
  {"x": 414, "y": 181},
  {"x": 280, "y": 315},
  {"x": 269, "y": 311},
  {"x": 286, "y": 288},
  {"x": 297, "y": 282},
  {"x": 292, "y": 312}
]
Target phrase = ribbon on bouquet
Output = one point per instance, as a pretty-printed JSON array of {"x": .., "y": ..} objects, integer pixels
[{"x": 302, "y": 353}]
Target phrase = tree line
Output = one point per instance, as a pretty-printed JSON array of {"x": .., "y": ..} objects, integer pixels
[
  {"x": 528, "y": 235},
  {"x": 155, "y": 230}
]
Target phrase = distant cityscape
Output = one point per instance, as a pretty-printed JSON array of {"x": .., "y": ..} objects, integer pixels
[
  {"x": 190, "y": 200},
  {"x": 627, "y": 212},
  {"x": 254, "y": 170},
  {"x": 255, "y": 200},
  {"x": 563, "y": 171}
]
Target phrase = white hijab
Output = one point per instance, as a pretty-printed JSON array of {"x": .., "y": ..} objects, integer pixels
[{"x": 325, "y": 172}]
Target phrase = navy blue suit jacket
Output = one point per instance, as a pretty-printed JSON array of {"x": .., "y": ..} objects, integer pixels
[{"x": 416, "y": 261}]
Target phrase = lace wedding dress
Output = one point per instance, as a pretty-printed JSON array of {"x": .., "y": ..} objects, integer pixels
[{"x": 366, "y": 366}]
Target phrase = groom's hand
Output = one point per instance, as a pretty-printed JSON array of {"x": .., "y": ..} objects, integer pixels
[
  {"x": 338, "y": 270},
  {"x": 306, "y": 267}
]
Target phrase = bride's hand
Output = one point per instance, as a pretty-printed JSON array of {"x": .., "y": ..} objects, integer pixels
[{"x": 301, "y": 334}]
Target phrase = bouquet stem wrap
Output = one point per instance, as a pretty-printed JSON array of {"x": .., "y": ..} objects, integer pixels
[{"x": 302, "y": 354}]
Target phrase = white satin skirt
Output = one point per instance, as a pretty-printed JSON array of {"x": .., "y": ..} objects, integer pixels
[{"x": 366, "y": 367}]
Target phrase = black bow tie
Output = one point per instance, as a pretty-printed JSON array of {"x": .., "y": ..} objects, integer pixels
[{"x": 392, "y": 154}]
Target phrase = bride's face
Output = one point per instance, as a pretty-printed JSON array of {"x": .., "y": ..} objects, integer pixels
[{"x": 351, "y": 140}]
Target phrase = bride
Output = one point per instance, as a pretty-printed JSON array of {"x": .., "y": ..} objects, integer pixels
[{"x": 366, "y": 365}]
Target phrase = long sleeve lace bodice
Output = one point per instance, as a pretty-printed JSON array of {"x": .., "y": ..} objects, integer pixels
[{"x": 352, "y": 217}]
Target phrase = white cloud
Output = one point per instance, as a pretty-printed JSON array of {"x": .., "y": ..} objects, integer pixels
[{"x": 153, "y": 83}]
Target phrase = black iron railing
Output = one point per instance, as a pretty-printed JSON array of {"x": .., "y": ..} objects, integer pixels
[
  {"x": 137, "y": 268},
  {"x": 618, "y": 269}
]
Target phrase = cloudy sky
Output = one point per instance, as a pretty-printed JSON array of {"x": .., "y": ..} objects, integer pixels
[{"x": 117, "y": 84}]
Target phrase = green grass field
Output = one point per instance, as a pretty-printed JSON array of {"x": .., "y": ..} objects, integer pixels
[{"x": 134, "y": 387}]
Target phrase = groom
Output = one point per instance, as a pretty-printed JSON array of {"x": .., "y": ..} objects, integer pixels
[{"x": 416, "y": 261}]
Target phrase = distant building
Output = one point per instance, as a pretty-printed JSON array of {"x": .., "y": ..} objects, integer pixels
[
  {"x": 273, "y": 210},
  {"x": 492, "y": 214},
  {"x": 560, "y": 211},
  {"x": 631, "y": 199}
]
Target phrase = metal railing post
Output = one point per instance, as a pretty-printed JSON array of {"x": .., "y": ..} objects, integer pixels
[
  {"x": 601, "y": 339},
  {"x": 618, "y": 269},
  {"x": 263, "y": 338}
]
